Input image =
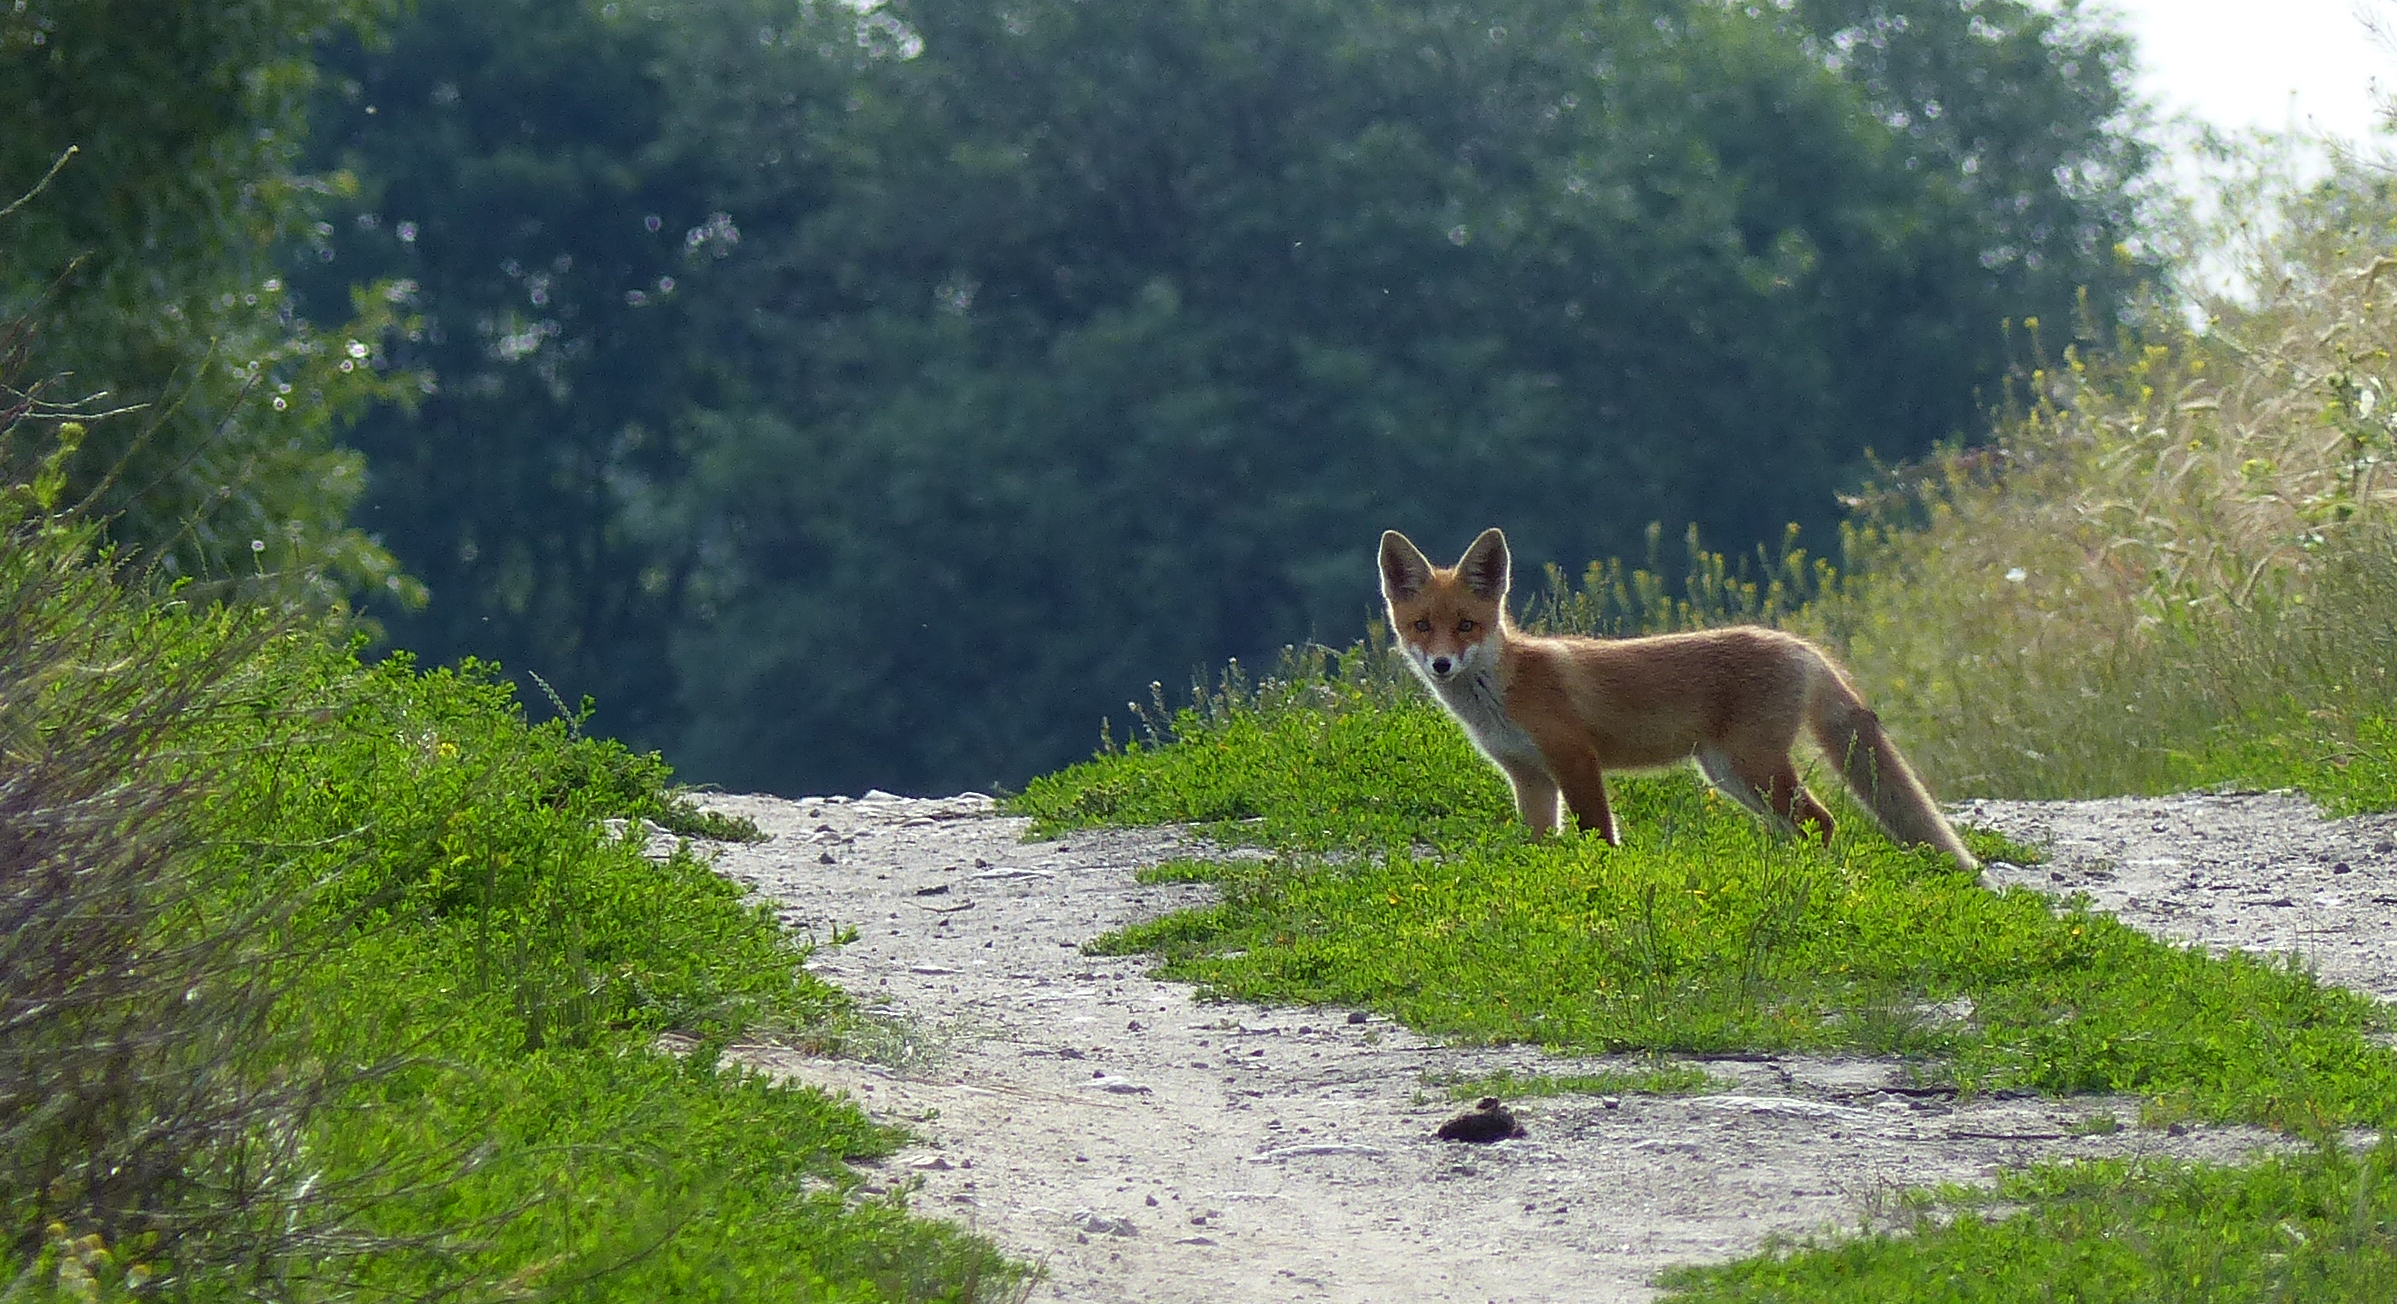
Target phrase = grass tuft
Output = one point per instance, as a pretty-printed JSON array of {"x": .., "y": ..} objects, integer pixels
[
  {"x": 1402, "y": 883},
  {"x": 1661, "y": 1079},
  {"x": 2312, "y": 1226}
]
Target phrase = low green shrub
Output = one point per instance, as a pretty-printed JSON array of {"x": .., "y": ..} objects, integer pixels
[{"x": 445, "y": 977}]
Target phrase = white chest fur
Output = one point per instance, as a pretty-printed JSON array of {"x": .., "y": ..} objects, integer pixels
[{"x": 1473, "y": 698}]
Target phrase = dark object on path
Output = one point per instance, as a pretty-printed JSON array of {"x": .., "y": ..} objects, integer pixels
[{"x": 1486, "y": 1121}]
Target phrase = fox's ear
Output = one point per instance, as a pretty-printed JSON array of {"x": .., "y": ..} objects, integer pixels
[
  {"x": 1485, "y": 566},
  {"x": 1405, "y": 570}
]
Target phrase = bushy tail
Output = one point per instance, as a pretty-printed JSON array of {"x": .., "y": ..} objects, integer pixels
[{"x": 1850, "y": 734}]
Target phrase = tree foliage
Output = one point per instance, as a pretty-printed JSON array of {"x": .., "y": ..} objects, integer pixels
[
  {"x": 1022, "y": 355},
  {"x": 153, "y": 254},
  {"x": 515, "y": 184}
]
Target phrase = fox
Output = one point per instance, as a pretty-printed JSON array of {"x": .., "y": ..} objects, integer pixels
[{"x": 1555, "y": 714}]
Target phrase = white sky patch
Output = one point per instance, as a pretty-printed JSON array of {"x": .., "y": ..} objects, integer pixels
[
  {"x": 2307, "y": 65},
  {"x": 2314, "y": 72}
]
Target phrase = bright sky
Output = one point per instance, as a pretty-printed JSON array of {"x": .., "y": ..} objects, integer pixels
[{"x": 2308, "y": 64}]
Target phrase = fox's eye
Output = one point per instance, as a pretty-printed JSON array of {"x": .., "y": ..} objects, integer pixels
[
  {"x": 1464, "y": 627},
  {"x": 1423, "y": 627}
]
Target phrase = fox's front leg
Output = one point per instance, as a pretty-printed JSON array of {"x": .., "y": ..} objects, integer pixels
[
  {"x": 1575, "y": 767},
  {"x": 1535, "y": 796}
]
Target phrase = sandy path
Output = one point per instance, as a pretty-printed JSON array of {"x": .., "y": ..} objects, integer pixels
[{"x": 1146, "y": 1147}]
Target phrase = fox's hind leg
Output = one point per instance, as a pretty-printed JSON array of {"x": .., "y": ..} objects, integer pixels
[
  {"x": 1771, "y": 790},
  {"x": 1715, "y": 764},
  {"x": 1796, "y": 805}
]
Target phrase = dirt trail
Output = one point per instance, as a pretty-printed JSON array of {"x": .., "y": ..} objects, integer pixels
[{"x": 1146, "y": 1147}]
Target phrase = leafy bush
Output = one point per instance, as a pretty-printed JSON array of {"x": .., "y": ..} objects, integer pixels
[
  {"x": 150, "y": 259},
  {"x": 144, "y": 1096},
  {"x": 326, "y": 978}
]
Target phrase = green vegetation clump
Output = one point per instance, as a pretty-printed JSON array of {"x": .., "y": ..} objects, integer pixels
[
  {"x": 1661, "y": 1079},
  {"x": 325, "y": 978},
  {"x": 2315, "y": 1226},
  {"x": 1404, "y": 884},
  {"x": 163, "y": 143}
]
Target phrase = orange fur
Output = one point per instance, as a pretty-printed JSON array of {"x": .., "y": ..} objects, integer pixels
[{"x": 1554, "y": 714}]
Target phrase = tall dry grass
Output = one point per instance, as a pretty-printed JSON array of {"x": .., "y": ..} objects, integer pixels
[{"x": 2165, "y": 559}]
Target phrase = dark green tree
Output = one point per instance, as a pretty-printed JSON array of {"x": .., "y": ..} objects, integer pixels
[
  {"x": 149, "y": 262},
  {"x": 515, "y": 182},
  {"x": 1081, "y": 345},
  {"x": 881, "y": 394},
  {"x": 2018, "y": 114}
]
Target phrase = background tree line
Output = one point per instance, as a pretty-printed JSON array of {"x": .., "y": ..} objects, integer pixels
[{"x": 881, "y": 396}]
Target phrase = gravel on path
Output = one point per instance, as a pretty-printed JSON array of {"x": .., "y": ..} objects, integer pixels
[{"x": 1141, "y": 1145}]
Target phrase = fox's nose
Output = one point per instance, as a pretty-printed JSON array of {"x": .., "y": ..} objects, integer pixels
[{"x": 1442, "y": 665}]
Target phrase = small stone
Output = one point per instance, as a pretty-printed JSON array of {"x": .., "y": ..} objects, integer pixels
[
  {"x": 1356, "y": 1016},
  {"x": 2342, "y": 868},
  {"x": 1152, "y": 1202},
  {"x": 826, "y": 859},
  {"x": 1100, "y": 1224}
]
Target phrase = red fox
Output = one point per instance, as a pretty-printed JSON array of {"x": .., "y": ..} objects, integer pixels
[{"x": 1556, "y": 713}]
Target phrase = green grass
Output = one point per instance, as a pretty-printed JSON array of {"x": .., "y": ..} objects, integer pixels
[
  {"x": 1339, "y": 772},
  {"x": 472, "y": 977},
  {"x": 482, "y": 931},
  {"x": 2316, "y": 1226},
  {"x": 1404, "y": 885},
  {"x": 1400, "y": 882},
  {"x": 2348, "y": 775},
  {"x": 1655, "y": 1080}
]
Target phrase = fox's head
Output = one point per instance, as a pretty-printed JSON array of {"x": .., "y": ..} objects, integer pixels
[{"x": 1450, "y": 620}]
